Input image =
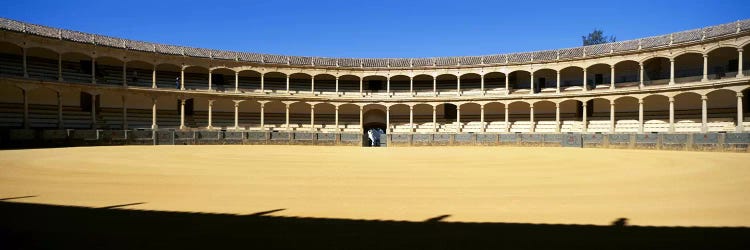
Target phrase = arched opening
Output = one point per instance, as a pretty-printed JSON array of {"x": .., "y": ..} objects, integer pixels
[
  {"x": 43, "y": 108},
  {"x": 349, "y": 85},
  {"x": 746, "y": 60},
  {"x": 722, "y": 110},
  {"x": 544, "y": 117},
  {"x": 249, "y": 81},
  {"x": 76, "y": 67},
  {"x": 168, "y": 112},
  {"x": 41, "y": 63},
  {"x": 222, "y": 114},
  {"x": 598, "y": 115},
  {"x": 109, "y": 113},
  {"x": 274, "y": 116},
  {"x": 687, "y": 112},
  {"x": 545, "y": 80},
  {"x": 446, "y": 84},
  {"x": 598, "y": 76},
  {"x": 423, "y": 85},
  {"x": 471, "y": 84},
  {"x": 349, "y": 117},
  {"x": 325, "y": 84},
  {"x": 688, "y": 67},
  {"x": 627, "y": 74},
  {"x": 656, "y": 71},
  {"x": 423, "y": 118},
  {"x": 519, "y": 81},
  {"x": 655, "y": 114},
  {"x": 325, "y": 117},
  {"x": 400, "y": 85},
  {"x": 139, "y": 73},
  {"x": 571, "y": 79},
  {"x": 494, "y": 116},
  {"x": 571, "y": 116},
  {"x": 222, "y": 80},
  {"x": 374, "y": 117},
  {"x": 299, "y": 116},
  {"x": 471, "y": 118},
  {"x": 274, "y": 82},
  {"x": 723, "y": 62},
  {"x": 626, "y": 115},
  {"x": 168, "y": 76},
  {"x": 196, "y": 78},
  {"x": 109, "y": 70},
  {"x": 399, "y": 119},
  {"x": 519, "y": 115},
  {"x": 300, "y": 83},
  {"x": 11, "y": 60},
  {"x": 494, "y": 83},
  {"x": 374, "y": 84}
]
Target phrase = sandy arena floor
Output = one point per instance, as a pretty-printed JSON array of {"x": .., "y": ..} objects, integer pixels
[{"x": 483, "y": 184}]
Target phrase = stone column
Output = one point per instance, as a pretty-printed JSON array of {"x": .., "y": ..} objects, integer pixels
[
  {"x": 312, "y": 85},
  {"x": 312, "y": 117},
  {"x": 531, "y": 83},
  {"x": 182, "y": 113},
  {"x": 557, "y": 90},
  {"x": 434, "y": 119},
  {"x": 287, "y": 116},
  {"x": 612, "y": 77},
  {"x": 361, "y": 84},
  {"x": 361, "y": 120},
  {"x": 210, "y": 80},
  {"x": 640, "y": 115},
  {"x": 153, "y": 78},
  {"x": 59, "y": 68},
  {"x": 740, "y": 118},
  {"x": 585, "y": 118},
  {"x": 705, "y": 68},
  {"x": 671, "y": 114},
  {"x": 739, "y": 65},
  {"x": 125, "y": 74},
  {"x": 262, "y": 116},
  {"x": 337, "y": 87},
  {"x": 411, "y": 119},
  {"x": 124, "y": 113},
  {"x": 337, "y": 118},
  {"x": 612, "y": 116},
  {"x": 388, "y": 119},
  {"x": 671, "y": 71},
  {"x": 236, "y": 115},
  {"x": 640, "y": 72},
  {"x": 388, "y": 85},
  {"x": 287, "y": 84},
  {"x": 236, "y": 82},
  {"x": 585, "y": 84},
  {"x": 93, "y": 70},
  {"x": 507, "y": 125},
  {"x": 93, "y": 111},
  {"x": 458, "y": 119},
  {"x": 458, "y": 85},
  {"x": 434, "y": 85},
  {"x": 60, "y": 110},
  {"x": 481, "y": 84},
  {"x": 507, "y": 84},
  {"x": 531, "y": 118},
  {"x": 25, "y": 67},
  {"x": 704, "y": 114},
  {"x": 557, "y": 117},
  {"x": 481, "y": 117},
  {"x": 153, "y": 113},
  {"x": 411, "y": 86},
  {"x": 182, "y": 78},
  {"x": 26, "y": 123},
  {"x": 210, "y": 113},
  {"x": 262, "y": 82}
]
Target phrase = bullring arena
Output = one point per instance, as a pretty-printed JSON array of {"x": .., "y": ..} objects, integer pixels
[{"x": 651, "y": 129}]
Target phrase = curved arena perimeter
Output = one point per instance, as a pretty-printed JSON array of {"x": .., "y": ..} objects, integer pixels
[{"x": 62, "y": 85}]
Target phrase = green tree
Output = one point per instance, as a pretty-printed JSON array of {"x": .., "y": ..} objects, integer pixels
[{"x": 596, "y": 37}]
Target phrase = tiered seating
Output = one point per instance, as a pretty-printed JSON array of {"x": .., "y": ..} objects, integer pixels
[
  {"x": 627, "y": 126},
  {"x": 472, "y": 127},
  {"x": 569, "y": 126},
  {"x": 721, "y": 125},
  {"x": 545, "y": 127},
  {"x": 602, "y": 126},
  {"x": 496, "y": 127},
  {"x": 11, "y": 115},
  {"x": 655, "y": 126},
  {"x": 691, "y": 125},
  {"x": 521, "y": 127}
]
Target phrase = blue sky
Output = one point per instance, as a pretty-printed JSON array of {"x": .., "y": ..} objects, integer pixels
[{"x": 376, "y": 28}]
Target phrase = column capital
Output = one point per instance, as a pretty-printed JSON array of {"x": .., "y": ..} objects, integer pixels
[
  {"x": 211, "y": 102},
  {"x": 740, "y": 49},
  {"x": 671, "y": 99},
  {"x": 705, "y": 55},
  {"x": 739, "y": 94},
  {"x": 671, "y": 60},
  {"x": 704, "y": 97},
  {"x": 640, "y": 101}
]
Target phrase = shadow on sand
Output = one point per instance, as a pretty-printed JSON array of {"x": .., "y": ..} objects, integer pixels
[{"x": 36, "y": 226}]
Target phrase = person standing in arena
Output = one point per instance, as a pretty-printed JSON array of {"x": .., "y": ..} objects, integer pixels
[{"x": 372, "y": 139}]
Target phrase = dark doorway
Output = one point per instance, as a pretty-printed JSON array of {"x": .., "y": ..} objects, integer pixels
[
  {"x": 85, "y": 102},
  {"x": 375, "y": 85}
]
